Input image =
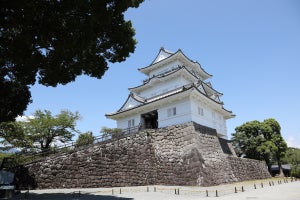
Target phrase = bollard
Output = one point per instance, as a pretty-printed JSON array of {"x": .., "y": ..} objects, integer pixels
[
  {"x": 207, "y": 193},
  {"x": 262, "y": 185},
  {"x": 243, "y": 189},
  {"x": 154, "y": 189},
  {"x": 147, "y": 189},
  {"x": 120, "y": 191},
  {"x": 178, "y": 191},
  {"x": 216, "y": 193},
  {"x": 175, "y": 191},
  {"x": 254, "y": 186},
  {"x": 112, "y": 191},
  {"x": 76, "y": 193},
  {"x": 235, "y": 190},
  {"x": 26, "y": 195}
]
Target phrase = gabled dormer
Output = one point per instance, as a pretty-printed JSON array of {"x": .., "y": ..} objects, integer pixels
[
  {"x": 162, "y": 54},
  {"x": 166, "y": 61}
]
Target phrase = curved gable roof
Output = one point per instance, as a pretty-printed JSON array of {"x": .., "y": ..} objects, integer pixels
[
  {"x": 188, "y": 88},
  {"x": 173, "y": 72},
  {"x": 162, "y": 54},
  {"x": 132, "y": 101},
  {"x": 159, "y": 61}
]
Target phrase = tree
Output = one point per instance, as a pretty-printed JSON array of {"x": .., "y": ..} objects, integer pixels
[
  {"x": 14, "y": 98},
  {"x": 40, "y": 131},
  {"x": 56, "y": 41},
  {"x": 261, "y": 141},
  {"x": 85, "y": 139},
  {"x": 278, "y": 141},
  {"x": 13, "y": 136},
  {"x": 292, "y": 157},
  {"x": 111, "y": 132}
]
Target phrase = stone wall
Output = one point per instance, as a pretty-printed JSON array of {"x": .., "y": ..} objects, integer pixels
[{"x": 176, "y": 155}]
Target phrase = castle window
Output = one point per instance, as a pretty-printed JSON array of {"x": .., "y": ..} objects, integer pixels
[
  {"x": 131, "y": 123},
  {"x": 171, "y": 111},
  {"x": 200, "y": 111}
]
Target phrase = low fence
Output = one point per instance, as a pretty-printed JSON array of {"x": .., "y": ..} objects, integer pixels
[
  {"x": 26, "y": 157},
  {"x": 215, "y": 191}
]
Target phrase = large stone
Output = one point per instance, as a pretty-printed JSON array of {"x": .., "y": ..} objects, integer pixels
[{"x": 170, "y": 156}]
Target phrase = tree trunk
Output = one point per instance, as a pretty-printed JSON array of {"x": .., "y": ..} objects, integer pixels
[
  {"x": 281, "y": 174},
  {"x": 268, "y": 163}
]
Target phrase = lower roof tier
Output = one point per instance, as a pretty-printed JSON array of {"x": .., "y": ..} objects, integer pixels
[{"x": 135, "y": 104}]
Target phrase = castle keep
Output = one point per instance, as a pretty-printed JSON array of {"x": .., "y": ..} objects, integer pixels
[
  {"x": 174, "y": 133},
  {"x": 176, "y": 91}
]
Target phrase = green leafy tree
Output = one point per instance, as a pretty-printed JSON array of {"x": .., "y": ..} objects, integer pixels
[
  {"x": 280, "y": 147},
  {"x": 111, "y": 132},
  {"x": 85, "y": 139},
  {"x": 292, "y": 157},
  {"x": 40, "y": 131},
  {"x": 56, "y": 41},
  {"x": 14, "y": 98},
  {"x": 261, "y": 141},
  {"x": 12, "y": 136}
]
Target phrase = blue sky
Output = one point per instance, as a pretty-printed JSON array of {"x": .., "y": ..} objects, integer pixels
[{"x": 251, "y": 47}]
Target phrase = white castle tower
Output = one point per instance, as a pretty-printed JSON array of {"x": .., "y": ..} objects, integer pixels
[{"x": 175, "y": 92}]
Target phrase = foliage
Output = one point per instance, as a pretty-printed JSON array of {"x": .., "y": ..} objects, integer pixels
[
  {"x": 111, "y": 132},
  {"x": 5, "y": 155},
  {"x": 261, "y": 141},
  {"x": 292, "y": 157},
  {"x": 40, "y": 131},
  {"x": 13, "y": 136},
  {"x": 295, "y": 172},
  {"x": 85, "y": 139},
  {"x": 56, "y": 41},
  {"x": 14, "y": 98}
]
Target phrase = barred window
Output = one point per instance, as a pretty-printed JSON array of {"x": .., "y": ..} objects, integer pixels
[
  {"x": 200, "y": 111},
  {"x": 171, "y": 111},
  {"x": 131, "y": 123}
]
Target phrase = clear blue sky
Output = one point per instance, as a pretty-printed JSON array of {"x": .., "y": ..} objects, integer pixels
[{"x": 251, "y": 47}]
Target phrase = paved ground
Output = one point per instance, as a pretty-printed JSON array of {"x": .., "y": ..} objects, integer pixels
[{"x": 283, "y": 191}]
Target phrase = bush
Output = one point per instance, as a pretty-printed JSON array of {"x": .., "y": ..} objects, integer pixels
[
  {"x": 295, "y": 171},
  {"x": 113, "y": 132},
  {"x": 85, "y": 139}
]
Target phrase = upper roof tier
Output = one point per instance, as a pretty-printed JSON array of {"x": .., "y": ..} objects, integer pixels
[
  {"x": 164, "y": 57},
  {"x": 176, "y": 72}
]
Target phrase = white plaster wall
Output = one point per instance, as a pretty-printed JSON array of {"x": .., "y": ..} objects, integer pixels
[
  {"x": 123, "y": 123},
  {"x": 165, "y": 68},
  {"x": 162, "y": 87},
  {"x": 211, "y": 117},
  {"x": 183, "y": 113}
]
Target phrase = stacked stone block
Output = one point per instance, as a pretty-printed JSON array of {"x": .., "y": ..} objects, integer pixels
[{"x": 176, "y": 155}]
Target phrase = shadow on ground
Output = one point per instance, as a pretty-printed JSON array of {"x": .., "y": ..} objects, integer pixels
[{"x": 63, "y": 196}]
